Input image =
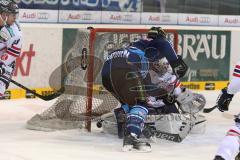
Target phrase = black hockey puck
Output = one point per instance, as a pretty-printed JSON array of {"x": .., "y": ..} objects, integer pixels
[{"x": 99, "y": 124}]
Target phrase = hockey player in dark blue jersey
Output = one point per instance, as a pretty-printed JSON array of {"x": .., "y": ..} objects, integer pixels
[{"x": 125, "y": 75}]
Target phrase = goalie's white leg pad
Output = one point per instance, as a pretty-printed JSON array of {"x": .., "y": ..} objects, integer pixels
[
  {"x": 171, "y": 123},
  {"x": 199, "y": 124}
]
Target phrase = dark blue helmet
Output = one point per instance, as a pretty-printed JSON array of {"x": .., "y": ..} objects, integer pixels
[{"x": 155, "y": 32}]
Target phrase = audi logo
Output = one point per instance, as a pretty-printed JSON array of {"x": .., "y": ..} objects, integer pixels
[
  {"x": 128, "y": 18},
  {"x": 42, "y": 15},
  {"x": 86, "y": 16},
  {"x": 205, "y": 19}
]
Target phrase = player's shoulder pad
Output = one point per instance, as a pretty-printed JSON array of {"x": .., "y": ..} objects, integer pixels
[
  {"x": 17, "y": 32},
  {"x": 18, "y": 26},
  {"x": 163, "y": 43},
  {"x": 140, "y": 44},
  {"x": 5, "y": 33}
]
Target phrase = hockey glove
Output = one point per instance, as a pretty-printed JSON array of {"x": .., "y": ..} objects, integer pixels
[
  {"x": 224, "y": 100},
  {"x": 190, "y": 102},
  {"x": 2, "y": 68},
  {"x": 179, "y": 67},
  {"x": 156, "y": 32}
]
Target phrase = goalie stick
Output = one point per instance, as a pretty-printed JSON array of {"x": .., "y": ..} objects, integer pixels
[
  {"x": 169, "y": 136},
  {"x": 208, "y": 110},
  {"x": 43, "y": 97},
  {"x": 175, "y": 137}
]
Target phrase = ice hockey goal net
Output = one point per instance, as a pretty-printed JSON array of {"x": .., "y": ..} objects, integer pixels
[{"x": 77, "y": 109}]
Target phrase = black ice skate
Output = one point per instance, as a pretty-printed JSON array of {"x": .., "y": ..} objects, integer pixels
[
  {"x": 132, "y": 144},
  {"x": 218, "y": 158},
  {"x": 121, "y": 120}
]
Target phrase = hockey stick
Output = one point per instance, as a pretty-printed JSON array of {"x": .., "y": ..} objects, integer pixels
[
  {"x": 168, "y": 136},
  {"x": 43, "y": 97},
  {"x": 208, "y": 110}
]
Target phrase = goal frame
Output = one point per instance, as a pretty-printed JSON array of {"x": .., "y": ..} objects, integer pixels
[{"x": 93, "y": 32}]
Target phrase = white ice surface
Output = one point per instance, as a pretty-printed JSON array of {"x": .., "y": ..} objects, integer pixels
[{"x": 18, "y": 143}]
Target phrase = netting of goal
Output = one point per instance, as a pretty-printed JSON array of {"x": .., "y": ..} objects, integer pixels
[{"x": 85, "y": 99}]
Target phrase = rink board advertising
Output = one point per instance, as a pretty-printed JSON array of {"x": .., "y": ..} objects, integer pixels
[
  {"x": 207, "y": 54},
  {"x": 115, "y": 11}
]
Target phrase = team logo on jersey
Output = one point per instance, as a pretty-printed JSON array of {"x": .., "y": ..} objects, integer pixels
[{"x": 4, "y": 57}]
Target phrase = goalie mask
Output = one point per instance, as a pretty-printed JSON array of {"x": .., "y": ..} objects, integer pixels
[{"x": 162, "y": 66}]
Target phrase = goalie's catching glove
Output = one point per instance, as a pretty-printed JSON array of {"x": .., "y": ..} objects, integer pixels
[
  {"x": 224, "y": 100},
  {"x": 190, "y": 102}
]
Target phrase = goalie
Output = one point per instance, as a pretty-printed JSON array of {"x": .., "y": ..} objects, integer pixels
[
  {"x": 179, "y": 103},
  {"x": 164, "y": 119}
]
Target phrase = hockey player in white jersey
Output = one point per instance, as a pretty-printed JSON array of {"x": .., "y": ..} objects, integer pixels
[
  {"x": 10, "y": 41},
  {"x": 229, "y": 147}
]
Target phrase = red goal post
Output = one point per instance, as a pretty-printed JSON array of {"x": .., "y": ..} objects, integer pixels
[{"x": 172, "y": 36}]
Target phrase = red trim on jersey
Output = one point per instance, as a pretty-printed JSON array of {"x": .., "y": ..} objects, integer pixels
[
  {"x": 16, "y": 48},
  {"x": 233, "y": 131},
  {"x": 12, "y": 54},
  {"x": 1, "y": 94},
  {"x": 14, "y": 51},
  {"x": 236, "y": 75},
  {"x": 234, "y": 135},
  {"x": 237, "y": 66}
]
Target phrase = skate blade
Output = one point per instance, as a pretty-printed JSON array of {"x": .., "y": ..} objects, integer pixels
[
  {"x": 127, "y": 148},
  {"x": 130, "y": 148}
]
